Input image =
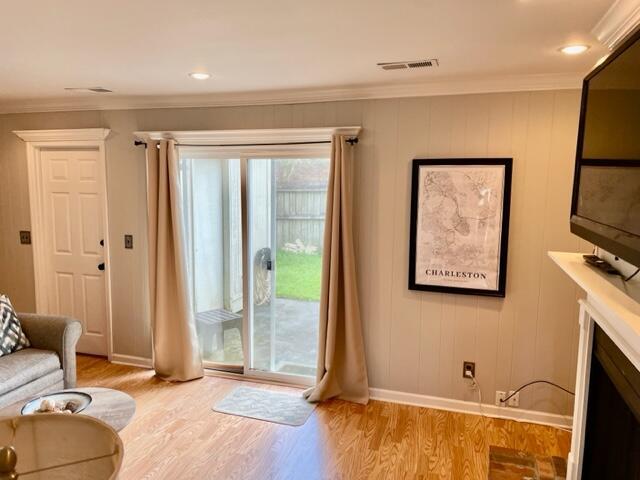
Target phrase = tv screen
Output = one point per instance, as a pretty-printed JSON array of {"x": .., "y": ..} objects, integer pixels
[{"x": 606, "y": 197}]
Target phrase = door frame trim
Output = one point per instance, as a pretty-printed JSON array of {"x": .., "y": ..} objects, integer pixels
[{"x": 36, "y": 141}]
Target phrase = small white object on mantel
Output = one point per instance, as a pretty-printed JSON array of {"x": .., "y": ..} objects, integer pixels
[{"x": 615, "y": 306}]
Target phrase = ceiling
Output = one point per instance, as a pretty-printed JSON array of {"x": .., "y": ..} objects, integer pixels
[{"x": 145, "y": 48}]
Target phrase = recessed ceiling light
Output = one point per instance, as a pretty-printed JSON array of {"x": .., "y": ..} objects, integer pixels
[
  {"x": 199, "y": 75},
  {"x": 574, "y": 49}
]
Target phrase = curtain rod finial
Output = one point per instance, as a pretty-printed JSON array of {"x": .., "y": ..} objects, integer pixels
[{"x": 137, "y": 143}]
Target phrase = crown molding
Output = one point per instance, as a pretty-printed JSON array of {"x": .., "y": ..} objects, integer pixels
[
  {"x": 509, "y": 83},
  {"x": 66, "y": 135},
  {"x": 622, "y": 18},
  {"x": 259, "y": 136}
]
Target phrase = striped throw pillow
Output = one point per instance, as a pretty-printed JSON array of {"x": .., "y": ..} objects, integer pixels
[{"x": 12, "y": 338}]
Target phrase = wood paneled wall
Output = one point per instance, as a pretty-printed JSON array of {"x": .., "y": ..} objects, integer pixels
[{"x": 416, "y": 341}]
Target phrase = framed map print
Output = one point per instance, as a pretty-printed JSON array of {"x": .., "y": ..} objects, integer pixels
[{"x": 460, "y": 225}]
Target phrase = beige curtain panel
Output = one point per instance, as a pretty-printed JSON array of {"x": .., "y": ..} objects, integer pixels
[
  {"x": 175, "y": 345},
  {"x": 342, "y": 370}
]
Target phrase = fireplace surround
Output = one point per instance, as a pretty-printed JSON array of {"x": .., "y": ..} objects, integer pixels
[
  {"x": 605, "y": 438},
  {"x": 612, "y": 436}
]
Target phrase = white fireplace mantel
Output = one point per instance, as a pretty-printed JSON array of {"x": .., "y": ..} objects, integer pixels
[
  {"x": 616, "y": 302},
  {"x": 615, "y": 306}
]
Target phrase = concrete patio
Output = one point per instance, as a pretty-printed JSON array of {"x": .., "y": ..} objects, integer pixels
[{"x": 285, "y": 338}]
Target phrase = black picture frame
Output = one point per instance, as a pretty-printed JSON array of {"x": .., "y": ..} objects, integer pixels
[{"x": 503, "y": 242}]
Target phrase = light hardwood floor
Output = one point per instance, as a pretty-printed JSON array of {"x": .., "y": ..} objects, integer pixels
[{"x": 176, "y": 435}]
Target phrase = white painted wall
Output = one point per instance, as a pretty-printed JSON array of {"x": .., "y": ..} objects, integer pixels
[
  {"x": 208, "y": 234},
  {"x": 415, "y": 341}
]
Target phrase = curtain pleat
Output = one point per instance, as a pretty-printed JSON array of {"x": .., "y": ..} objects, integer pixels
[
  {"x": 342, "y": 370},
  {"x": 175, "y": 344}
]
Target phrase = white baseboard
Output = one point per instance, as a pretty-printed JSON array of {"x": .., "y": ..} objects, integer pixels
[
  {"x": 439, "y": 403},
  {"x": 131, "y": 360}
]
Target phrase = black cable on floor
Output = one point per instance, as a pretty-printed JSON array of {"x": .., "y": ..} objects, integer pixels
[
  {"x": 632, "y": 275},
  {"x": 536, "y": 381}
]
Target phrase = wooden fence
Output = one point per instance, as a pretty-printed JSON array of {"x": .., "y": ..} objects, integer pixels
[{"x": 300, "y": 216}]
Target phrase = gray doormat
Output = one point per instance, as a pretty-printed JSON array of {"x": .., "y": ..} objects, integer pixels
[{"x": 276, "y": 407}]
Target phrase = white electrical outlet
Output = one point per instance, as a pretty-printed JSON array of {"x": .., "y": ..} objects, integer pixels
[
  {"x": 500, "y": 396},
  {"x": 515, "y": 400}
]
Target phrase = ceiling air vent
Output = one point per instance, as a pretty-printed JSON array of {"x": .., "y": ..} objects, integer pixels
[
  {"x": 393, "y": 66},
  {"x": 89, "y": 89},
  {"x": 432, "y": 62}
]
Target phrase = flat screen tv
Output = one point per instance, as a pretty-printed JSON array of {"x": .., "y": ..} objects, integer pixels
[{"x": 605, "y": 208}]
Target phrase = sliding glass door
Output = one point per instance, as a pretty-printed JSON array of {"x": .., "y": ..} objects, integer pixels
[
  {"x": 254, "y": 227},
  {"x": 286, "y": 199},
  {"x": 212, "y": 214}
]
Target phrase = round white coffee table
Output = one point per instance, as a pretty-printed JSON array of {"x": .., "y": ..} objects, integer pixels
[{"x": 113, "y": 407}]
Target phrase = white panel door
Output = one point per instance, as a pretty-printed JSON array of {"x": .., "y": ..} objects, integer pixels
[{"x": 74, "y": 242}]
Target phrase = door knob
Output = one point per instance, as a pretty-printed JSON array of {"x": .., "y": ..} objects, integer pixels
[
  {"x": 101, "y": 266},
  {"x": 102, "y": 242}
]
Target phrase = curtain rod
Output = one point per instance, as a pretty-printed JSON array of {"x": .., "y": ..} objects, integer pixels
[{"x": 350, "y": 141}]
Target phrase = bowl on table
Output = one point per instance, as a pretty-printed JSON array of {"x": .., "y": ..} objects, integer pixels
[{"x": 60, "y": 402}]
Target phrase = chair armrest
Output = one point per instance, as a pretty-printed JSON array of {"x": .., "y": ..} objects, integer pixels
[{"x": 59, "y": 334}]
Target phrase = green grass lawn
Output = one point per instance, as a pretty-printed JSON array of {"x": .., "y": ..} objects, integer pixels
[{"x": 298, "y": 275}]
